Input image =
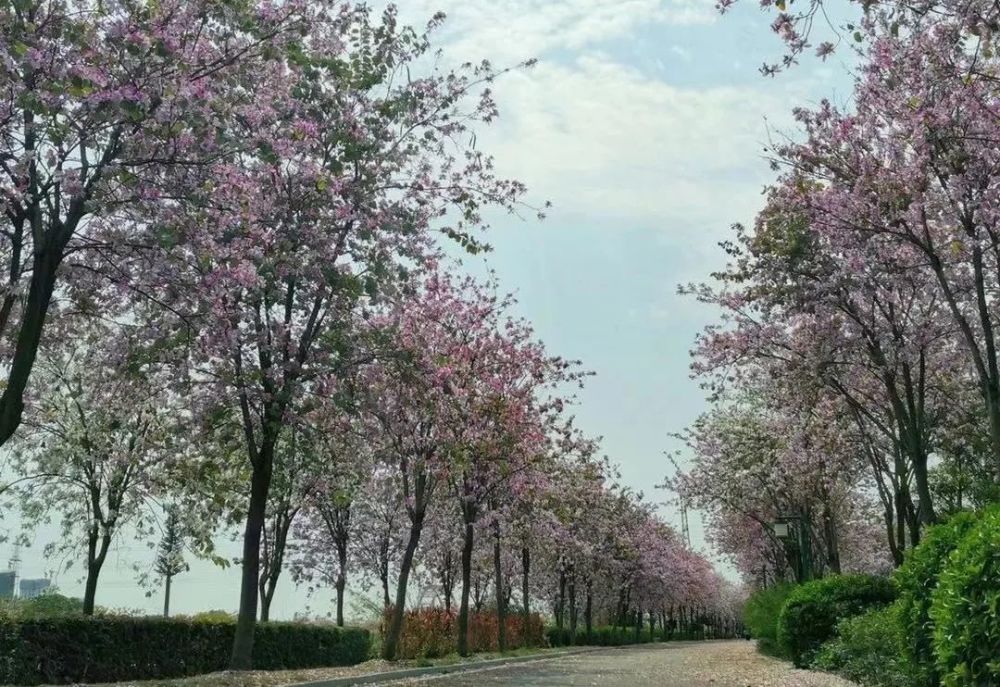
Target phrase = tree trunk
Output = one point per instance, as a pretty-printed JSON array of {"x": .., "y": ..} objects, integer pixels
[
  {"x": 45, "y": 264},
  {"x": 993, "y": 408},
  {"x": 341, "y": 581},
  {"x": 447, "y": 580},
  {"x": 391, "y": 645},
  {"x": 588, "y": 610},
  {"x": 95, "y": 561},
  {"x": 525, "y": 568},
  {"x": 266, "y": 596},
  {"x": 275, "y": 559},
  {"x": 341, "y": 584},
  {"x": 925, "y": 512},
  {"x": 246, "y": 620},
  {"x": 166, "y": 596},
  {"x": 562, "y": 599},
  {"x": 386, "y": 600},
  {"x": 499, "y": 588},
  {"x": 468, "y": 537},
  {"x": 830, "y": 534},
  {"x": 572, "y": 605},
  {"x": 619, "y": 620}
]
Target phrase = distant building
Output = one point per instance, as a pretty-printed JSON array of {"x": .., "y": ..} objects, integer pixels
[
  {"x": 32, "y": 588},
  {"x": 7, "y": 584}
]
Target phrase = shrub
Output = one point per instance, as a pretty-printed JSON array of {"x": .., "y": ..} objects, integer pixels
[
  {"x": 49, "y": 605},
  {"x": 760, "y": 615},
  {"x": 433, "y": 632},
  {"x": 521, "y": 631},
  {"x": 118, "y": 648},
  {"x": 598, "y": 636},
  {"x": 557, "y": 636},
  {"x": 214, "y": 616},
  {"x": 869, "y": 650},
  {"x": 916, "y": 580},
  {"x": 965, "y": 608},
  {"x": 428, "y": 633},
  {"x": 812, "y": 610}
]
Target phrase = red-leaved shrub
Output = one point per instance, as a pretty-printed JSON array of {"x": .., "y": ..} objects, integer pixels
[{"x": 433, "y": 632}]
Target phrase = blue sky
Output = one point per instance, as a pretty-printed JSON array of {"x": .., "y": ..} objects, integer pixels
[{"x": 643, "y": 123}]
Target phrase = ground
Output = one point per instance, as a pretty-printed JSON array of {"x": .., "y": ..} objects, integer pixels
[
  {"x": 674, "y": 664},
  {"x": 680, "y": 664}
]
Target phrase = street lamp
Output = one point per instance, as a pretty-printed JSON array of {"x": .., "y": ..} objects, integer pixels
[{"x": 794, "y": 529}]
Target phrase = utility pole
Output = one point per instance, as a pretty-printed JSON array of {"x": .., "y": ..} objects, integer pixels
[
  {"x": 685, "y": 529},
  {"x": 14, "y": 564}
]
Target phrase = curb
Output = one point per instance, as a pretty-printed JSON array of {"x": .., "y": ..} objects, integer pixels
[{"x": 391, "y": 675}]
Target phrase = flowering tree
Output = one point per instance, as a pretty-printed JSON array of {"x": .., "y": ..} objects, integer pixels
[
  {"x": 348, "y": 162},
  {"x": 865, "y": 291},
  {"x": 803, "y": 308},
  {"x": 495, "y": 379},
  {"x": 757, "y": 464},
  {"x": 442, "y": 552},
  {"x": 97, "y": 444},
  {"x": 905, "y": 181},
  {"x": 338, "y": 480},
  {"x": 795, "y": 24},
  {"x": 302, "y": 468},
  {"x": 98, "y": 99},
  {"x": 377, "y": 518}
]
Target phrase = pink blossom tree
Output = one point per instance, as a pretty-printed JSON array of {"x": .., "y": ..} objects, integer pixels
[
  {"x": 99, "y": 98},
  {"x": 98, "y": 443},
  {"x": 351, "y": 164}
]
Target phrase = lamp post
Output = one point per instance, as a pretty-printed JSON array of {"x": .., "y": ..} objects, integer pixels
[{"x": 795, "y": 528}]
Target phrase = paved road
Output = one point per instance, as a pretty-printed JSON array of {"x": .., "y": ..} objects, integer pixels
[{"x": 687, "y": 664}]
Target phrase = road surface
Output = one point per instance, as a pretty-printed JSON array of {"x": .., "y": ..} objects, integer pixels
[{"x": 679, "y": 664}]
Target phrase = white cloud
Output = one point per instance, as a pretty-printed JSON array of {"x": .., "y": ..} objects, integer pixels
[
  {"x": 609, "y": 144},
  {"x": 514, "y": 30},
  {"x": 681, "y": 52}
]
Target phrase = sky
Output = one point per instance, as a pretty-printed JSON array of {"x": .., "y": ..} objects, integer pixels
[{"x": 643, "y": 123}]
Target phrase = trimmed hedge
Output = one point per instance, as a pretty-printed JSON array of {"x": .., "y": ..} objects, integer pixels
[
  {"x": 119, "y": 648},
  {"x": 607, "y": 635},
  {"x": 433, "y": 632},
  {"x": 812, "y": 611},
  {"x": 760, "y": 615},
  {"x": 599, "y": 636},
  {"x": 917, "y": 579},
  {"x": 869, "y": 650},
  {"x": 965, "y": 608}
]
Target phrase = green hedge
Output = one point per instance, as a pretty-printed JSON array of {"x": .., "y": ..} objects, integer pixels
[
  {"x": 760, "y": 615},
  {"x": 965, "y": 608},
  {"x": 869, "y": 649},
  {"x": 607, "y": 635},
  {"x": 598, "y": 636},
  {"x": 120, "y": 648},
  {"x": 917, "y": 579},
  {"x": 812, "y": 611}
]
